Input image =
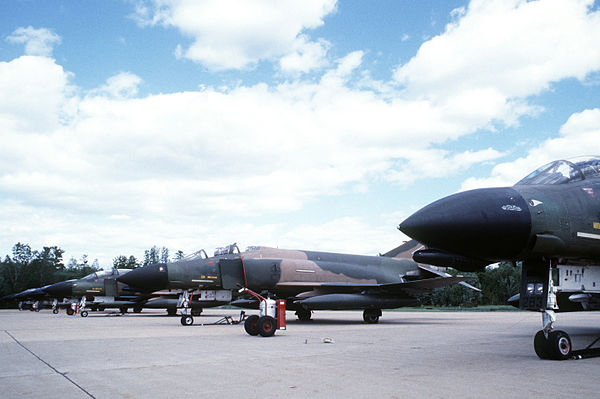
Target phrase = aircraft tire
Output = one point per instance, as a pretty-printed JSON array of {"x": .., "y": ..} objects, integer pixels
[
  {"x": 123, "y": 309},
  {"x": 541, "y": 345},
  {"x": 197, "y": 312},
  {"x": 84, "y": 313},
  {"x": 371, "y": 316},
  {"x": 70, "y": 311},
  {"x": 559, "y": 345},
  {"x": 137, "y": 309},
  {"x": 303, "y": 314},
  {"x": 251, "y": 325},
  {"x": 187, "y": 320},
  {"x": 171, "y": 311},
  {"x": 55, "y": 311},
  {"x": 266, "y": 326}
]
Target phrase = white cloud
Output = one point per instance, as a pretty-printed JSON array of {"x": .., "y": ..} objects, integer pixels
[
  {"x": 122, "y": 85},
  {"x": 306, "y": 56},
  {"x": 578, "y": 136},
  {"x": 33, "y": 94},
  {"x": 37, "y": 41},
  {"x": 232, "y": 34},
  {"x": 498, "y": 52}
]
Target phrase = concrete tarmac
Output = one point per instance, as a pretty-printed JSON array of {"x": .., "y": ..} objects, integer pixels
[{"x": 406, "y": 355}]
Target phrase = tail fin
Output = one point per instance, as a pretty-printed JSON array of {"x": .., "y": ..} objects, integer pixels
[{"x": 404, "y": 251}]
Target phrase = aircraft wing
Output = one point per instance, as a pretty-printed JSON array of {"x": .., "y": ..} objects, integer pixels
[{"x": 409, "y": 287}]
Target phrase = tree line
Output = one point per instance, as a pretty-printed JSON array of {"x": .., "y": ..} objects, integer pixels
[
  {"x": 497, "y": 283},
  {"x": 29, "y": 268}
]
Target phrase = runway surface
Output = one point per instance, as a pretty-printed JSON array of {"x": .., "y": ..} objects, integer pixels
[{"x": 406, "y": 355}]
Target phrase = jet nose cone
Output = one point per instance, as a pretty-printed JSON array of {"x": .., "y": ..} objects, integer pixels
[
  {"x": 62, "y": 289},
  {"x": 491, "y": 224},
  {"x": 148, "y": 278}
]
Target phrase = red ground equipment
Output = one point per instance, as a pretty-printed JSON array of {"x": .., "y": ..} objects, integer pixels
[{"x": 271, "y": 316}]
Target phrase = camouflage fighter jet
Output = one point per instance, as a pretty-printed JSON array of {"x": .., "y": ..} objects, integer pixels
[
  {"x": 32, "y": 299},
  {"x": 101, "y": 290},
  {"x": 307, "y": 280},
  {"x": 550, "y": 220}
]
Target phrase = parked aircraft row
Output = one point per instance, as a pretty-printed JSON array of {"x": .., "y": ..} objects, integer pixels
[
  {"x": 549, "y": 221},
  {"x": 306, "y": 280}
]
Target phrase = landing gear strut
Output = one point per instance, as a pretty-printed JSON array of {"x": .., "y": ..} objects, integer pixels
[{"x": 184, "y": 302}]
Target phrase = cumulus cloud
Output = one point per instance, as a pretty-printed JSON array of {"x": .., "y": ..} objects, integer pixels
[
  {"x": 34, "y": 94},
  {"x": 122, "y": 85},
  {"x": 37, "y": 41},
  {"x": 306, "y": 56},
  {"x": 498, "y": 52},
  {"x": 230, "y": 34}
]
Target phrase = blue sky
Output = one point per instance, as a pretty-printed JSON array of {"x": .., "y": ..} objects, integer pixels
[{"x": 315, "y": 124}]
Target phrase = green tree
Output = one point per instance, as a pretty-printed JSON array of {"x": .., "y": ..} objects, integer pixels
[
  {"x": 498, "y": 283},
  {"x": 156, "y": 255},
  {"x": 124, "y": 262}
]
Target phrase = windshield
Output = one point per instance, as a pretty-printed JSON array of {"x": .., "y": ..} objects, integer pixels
[
  {"x": 564, "y": 171},
  {"x": 91, "y": 276},
  {"x": 196, "y": 255}
]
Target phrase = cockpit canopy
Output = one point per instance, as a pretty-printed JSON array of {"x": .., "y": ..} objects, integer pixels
[
  {"x": 564, "y": 171},
  {"x": 227, "y": 250},
  {"x": 105, "y": 274}
]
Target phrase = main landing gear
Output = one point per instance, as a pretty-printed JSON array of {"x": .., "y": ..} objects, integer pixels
[
  {"x": 303, "y": 314},
  {"x": 371, "y": 316},
  {"x": 538, "y": 292},
  {"x": 552, "y": 344}
]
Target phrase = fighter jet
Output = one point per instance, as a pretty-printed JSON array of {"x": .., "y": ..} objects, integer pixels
[
  {"x": 101, "y": 290},
  {"x": 32, "y": 298},
  {"x": 550, "y": 220},
  {"x": 98, "y": 291},
  {"x": 307, "y": 280}
]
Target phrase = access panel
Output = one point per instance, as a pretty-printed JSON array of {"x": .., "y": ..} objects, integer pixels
[{"x": 232, "y": 274}]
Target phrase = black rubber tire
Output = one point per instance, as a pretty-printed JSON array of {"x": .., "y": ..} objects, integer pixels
[
  {"x": 171, "y": 311},
  {"x": 70, "y": 311},
  {"x": 197, "y": 311},
  {"x": 137, "y": 309},
  {"x": 251, "y": 325},
  {"x": 123, "y": 309},
  {"x": 559, "y": 345},
  {"x": 266, "y": 326},
  {"x": 84, "y": 313},
  {"x": 371, "y": 316},
  {"x": 303, "y": 314},
  {"x": 55, "y": 311},
  {"x": 541, "y": 345},
  {"x": 187, "y": 320}
]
